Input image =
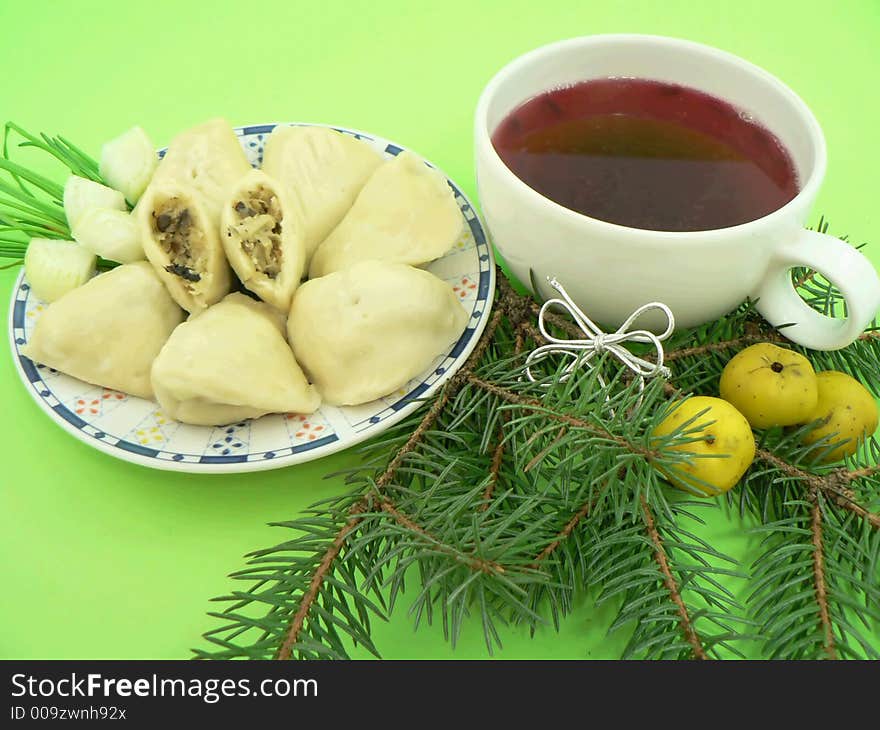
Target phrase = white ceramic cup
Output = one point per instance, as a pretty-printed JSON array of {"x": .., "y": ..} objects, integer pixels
[{"x": 610, "y": 270}]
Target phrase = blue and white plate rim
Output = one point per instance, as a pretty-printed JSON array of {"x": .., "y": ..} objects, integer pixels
[{"x": 394, "y": 413}]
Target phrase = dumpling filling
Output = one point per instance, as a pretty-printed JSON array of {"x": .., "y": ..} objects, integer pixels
[
  {"x": 257, "y": 226},
  {"x": 261, "y": 231},
  {"x": 182, "y": 241}
]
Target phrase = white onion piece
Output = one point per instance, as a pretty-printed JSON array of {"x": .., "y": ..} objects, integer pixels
[
  {"x": 112, "y": 234},
  {"x": 81, "y": 194},
  {"x": 53, "y": 268},
  {"x": 128, "y": 162}
]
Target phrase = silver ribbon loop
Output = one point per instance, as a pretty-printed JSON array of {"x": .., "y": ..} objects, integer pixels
[{"x": 595, "y": 342}]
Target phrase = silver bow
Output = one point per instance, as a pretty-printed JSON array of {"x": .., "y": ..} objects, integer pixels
[{"x": 596, "y": 341}]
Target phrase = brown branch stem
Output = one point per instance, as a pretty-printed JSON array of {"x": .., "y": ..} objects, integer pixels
[
  {"x": 537, "y": 458},
  {"x": 844, "y": 500},
  {"x": 687, "y": 626},
  {"x": 557, "y": 321},
  {"x": 564, "y": 533},
  {"x": 819, "y": 578},
  {"x": 733, "y": 344},
  {"x": 296, "y": 623},
  {"x": 813, "y": 480},
  {"x": 415, "y": 437},
  {"x": 806, "y": 278},
  {"x": 533, "y": 332},
  {"x": 494, "y": 471},
  {"x": 865, "y": 473}
]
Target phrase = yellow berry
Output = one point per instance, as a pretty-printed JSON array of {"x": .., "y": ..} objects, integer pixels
[
  {"x": 846, "y": 411},
  {"x": 770, "y": 386},
  {"x": 724, "y": 446}
]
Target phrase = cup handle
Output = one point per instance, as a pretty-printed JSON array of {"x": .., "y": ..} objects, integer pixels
[{"x": 842, "y": 265}]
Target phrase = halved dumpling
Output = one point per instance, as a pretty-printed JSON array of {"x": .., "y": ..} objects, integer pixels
[
  {"x": 182, "y": 244},
  {"x": 209, "y": 159},
  {"x": 229, "y": 363},
  {"x": 262, "y": 236},
  {"x": 405, "y": 213},
  {"x": 363, "y": 332},
  {"x": 109, "y": 330},
  {"x": 322, "y": 171}
]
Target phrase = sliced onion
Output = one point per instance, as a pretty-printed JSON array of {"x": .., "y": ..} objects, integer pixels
[
  {"x": 53, "y": 268},
  {"x": 111, "y": 234},
  {"x": 128, "y": 162},
  {"x": 81, "y": 194}
]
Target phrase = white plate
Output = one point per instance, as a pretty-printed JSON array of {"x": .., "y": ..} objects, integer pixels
[{"x": 136, "y": 430}]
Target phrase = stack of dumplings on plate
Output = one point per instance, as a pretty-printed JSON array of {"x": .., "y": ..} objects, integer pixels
[{"x": 324, "y": 204}]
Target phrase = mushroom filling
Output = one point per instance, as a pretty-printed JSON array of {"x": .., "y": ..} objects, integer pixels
[
  {"x": 181, "y": 239},
  {"x": 258, "y": 228}
]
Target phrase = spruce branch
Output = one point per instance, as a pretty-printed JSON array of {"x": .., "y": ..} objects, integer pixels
[
  {"x": 556, "y": 320},
  {"x": 506, "y": 498}
]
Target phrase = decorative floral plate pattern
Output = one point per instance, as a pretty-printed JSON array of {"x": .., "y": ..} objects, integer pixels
[{"x": 136, "y": 430}]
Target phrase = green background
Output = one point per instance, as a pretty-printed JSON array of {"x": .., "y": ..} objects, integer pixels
[{"x": 99, "y": 558}]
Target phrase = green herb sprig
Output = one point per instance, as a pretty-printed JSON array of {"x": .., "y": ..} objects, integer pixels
[{"x": 32, "y": 205}]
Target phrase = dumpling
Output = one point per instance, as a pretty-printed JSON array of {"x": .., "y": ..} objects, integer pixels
[
  {"x": 208, "y": 158},
  {"x": 228, "y": 363},
  {"x": 362, "y": 332},
  {"x": 179, "y": 214},
  {"x": 406, "y": 213},
  {"x": 109, "y": 330},
  {"x": 322, "y": 170},
  {"x": 183, "y": 244},
  {"x": 262, "y": 236}
]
